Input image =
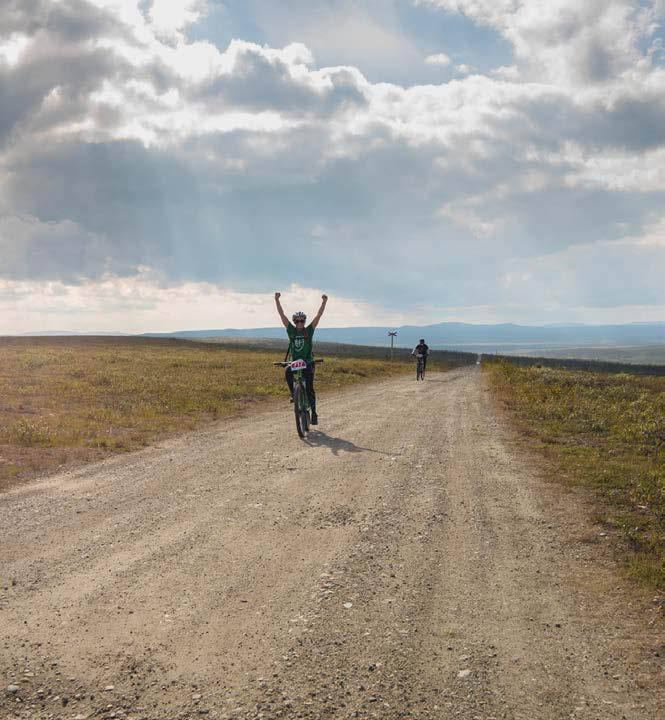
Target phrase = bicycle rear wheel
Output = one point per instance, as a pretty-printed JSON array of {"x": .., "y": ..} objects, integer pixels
[{"x": 301, "y": 417}]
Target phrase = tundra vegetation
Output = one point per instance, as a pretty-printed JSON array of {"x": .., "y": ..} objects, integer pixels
[
  {"x": 605, "y": 432},
  {"x": 70, "y": 400}
]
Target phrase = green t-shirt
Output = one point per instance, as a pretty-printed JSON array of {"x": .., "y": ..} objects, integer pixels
[{"x": 301, "y": 342}]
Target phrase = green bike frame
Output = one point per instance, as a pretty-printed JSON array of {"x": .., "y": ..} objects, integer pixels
[{"x": 301, "y": 406}]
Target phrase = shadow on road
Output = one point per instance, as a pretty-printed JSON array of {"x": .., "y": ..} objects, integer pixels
[
  {"x": 439, "y": 380},
  {"x": 316, "y": 438}
]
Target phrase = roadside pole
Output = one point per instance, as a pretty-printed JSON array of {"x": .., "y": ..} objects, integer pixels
[{"x": 392, "y": 340}]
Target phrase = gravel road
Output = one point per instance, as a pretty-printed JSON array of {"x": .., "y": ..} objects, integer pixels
[{"x": 407, "y": 561}]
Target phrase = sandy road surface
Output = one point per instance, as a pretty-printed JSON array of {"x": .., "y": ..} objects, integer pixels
[{"x": 405, "y": 563}]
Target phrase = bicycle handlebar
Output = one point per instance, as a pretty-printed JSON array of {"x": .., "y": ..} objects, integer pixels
[{"x": 287, "y": 364}]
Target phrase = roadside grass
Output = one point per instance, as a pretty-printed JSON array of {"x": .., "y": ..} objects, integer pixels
[
  {"x": 606, "y": 432},
  {"x": 70, "y": 400}
]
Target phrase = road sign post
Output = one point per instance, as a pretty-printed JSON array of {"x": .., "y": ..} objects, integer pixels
[{"x": 392, "y": 340}]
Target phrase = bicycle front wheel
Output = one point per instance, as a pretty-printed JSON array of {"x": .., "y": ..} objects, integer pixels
[
  {"x": 298, "y": 402},
  {"x": 304, "y": 420}
]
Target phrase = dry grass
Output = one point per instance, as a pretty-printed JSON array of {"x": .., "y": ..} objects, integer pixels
[
  {"x": 604, "y": 431},
  {"x": 71, "y": 400}
]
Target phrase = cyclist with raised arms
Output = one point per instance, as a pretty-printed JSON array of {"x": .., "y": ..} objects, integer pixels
[{"x": 300, "y": 348}]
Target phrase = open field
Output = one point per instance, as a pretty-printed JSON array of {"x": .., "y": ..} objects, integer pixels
[
  {"x": 444, "y": 358},
  {"x": 578, "y": 364},
  {"x": 632, "y": 354},
  {"x": 75, "y": 399},
  {"x": 604, "y": 431},
  {"x": 652, "y": 355}
]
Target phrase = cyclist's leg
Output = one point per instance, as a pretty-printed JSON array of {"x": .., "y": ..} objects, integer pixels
[
  {"x": 309, "y": 385},
  {"x": 289, "y": 379}
]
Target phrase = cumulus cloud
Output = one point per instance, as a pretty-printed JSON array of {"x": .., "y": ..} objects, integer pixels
[
  {"x": 254, "y": 78},
  {"x": 569, "y": 42},
  {"x": 438, "y": 59},
  {"x": 169, "y": 18},
  {"x": 464, "y": 69},
  {"x": 124, "y": 145}
]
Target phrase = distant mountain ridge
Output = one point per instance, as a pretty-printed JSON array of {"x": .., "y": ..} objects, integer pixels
[
  {"x": 74, "y": 333},
  {"x": 458, "y": 335}
]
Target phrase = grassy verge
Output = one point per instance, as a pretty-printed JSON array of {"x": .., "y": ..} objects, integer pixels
[
  {"x": 71, "y": 400},
  {"x": 606, "y": 432}
]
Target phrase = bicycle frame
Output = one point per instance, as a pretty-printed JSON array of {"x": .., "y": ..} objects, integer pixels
[
  {"x": 299, "y": 379},
  {"x": 420, "y": 367},
  {"x": 300, "y": 397}
]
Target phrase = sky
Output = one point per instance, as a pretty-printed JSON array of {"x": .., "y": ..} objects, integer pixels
[{"x": 170, "y": 164}]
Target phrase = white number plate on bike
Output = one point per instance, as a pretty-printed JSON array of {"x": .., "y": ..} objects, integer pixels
[{"x": 298, "y": 365}]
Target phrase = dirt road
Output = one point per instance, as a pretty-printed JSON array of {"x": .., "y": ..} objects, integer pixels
[{"x": 405, "y": 562}]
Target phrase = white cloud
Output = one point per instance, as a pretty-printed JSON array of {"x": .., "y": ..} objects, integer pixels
[
  {"x": 170, "y": 16},
  {"x": 569, "y": 42},
  {"x": 13, "y": 48},
  {"x": 129, "y": 146},
  {"x": 465, "y": 69},
  {"x": 438, "y": 59},
  {"x": 618, "y": 171},
  {"x": 143, "y": 304},
  {"x": 246, "y": 87},
  {"x": 506, "y": 72}
]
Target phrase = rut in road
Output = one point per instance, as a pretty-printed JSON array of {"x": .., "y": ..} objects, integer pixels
[{"x": 404, "y": 562}]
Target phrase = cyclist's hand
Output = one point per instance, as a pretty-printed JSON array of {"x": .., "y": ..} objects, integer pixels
[
  {"x": 324, "y": 297},
  {"x": 278, "y": 295}
]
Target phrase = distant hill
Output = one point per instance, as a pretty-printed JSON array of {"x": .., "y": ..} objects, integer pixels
[
  {"x": 73, "y": 333},
  {"x": 464, "y": 336}
]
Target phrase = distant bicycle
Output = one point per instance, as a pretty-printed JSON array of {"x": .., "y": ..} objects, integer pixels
[
  {"x": 420, "y": 367},
  {"x": 421, "y": 351},
  {"x": 301, "y": 406}
]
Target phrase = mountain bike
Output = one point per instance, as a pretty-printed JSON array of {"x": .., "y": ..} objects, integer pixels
[
  {"x": 420, "y": 367},
  {"x": 301, "y": 406}
]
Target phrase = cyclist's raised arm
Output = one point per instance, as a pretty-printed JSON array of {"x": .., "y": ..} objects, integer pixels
[
  {"x": 285, "y": 320},
  {"x": 324, "y": 299}
]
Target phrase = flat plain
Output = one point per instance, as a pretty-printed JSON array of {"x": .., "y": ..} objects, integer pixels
[{"x": 66, "y": 400}]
